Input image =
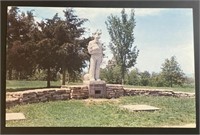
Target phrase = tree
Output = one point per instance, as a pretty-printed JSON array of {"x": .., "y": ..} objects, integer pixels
[
  {"x": 46, "y": 56},
  {"x": 122, "y": 39},
  {"x": 22, "y": 59},
  {"x": 72, "y": 48},
  {"x": 21, "y": 33},
  {"x": 62, "y": 46},
  {"x": 111, "y": 73},
  {"x": 156, "y": 80},
  {"x": 172, "y": 72},
  {"x": 145, "y": 78},
  {"x": 12, "y": 36},
  {"x": 133, "y": 77},
  {"x": 47, "y": 47}
]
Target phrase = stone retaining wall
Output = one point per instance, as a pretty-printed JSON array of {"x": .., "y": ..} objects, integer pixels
[
  {"x": 114, "y": 91},
  {"x": 156, "y": 92},
  {"x": 35, "y": 96},
  {"x": 81, "y": 92}
]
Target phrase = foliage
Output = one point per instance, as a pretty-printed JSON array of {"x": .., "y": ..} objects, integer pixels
[
  {"x": 145, "y": 78},
  {"x": 21, "y": 37},
  {"x": 111, "y": 75},
  {"x": 39, "y": 75},
  {"x": 172, "y": 72},
  {"x": 49, "y": 45},
  {"x": 133, "y": 77},
  {"x": 171, "y": 69},
  {"x": 69, "y": 47},
  {"x": 156, "y": 80},
  {"x": 122, "y": 39}
]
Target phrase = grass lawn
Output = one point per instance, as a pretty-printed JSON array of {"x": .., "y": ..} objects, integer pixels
[
  {"x": 79, "y": 113},
  {"x": 15, "y": 85},
  {"x": 183, "y": 89}
]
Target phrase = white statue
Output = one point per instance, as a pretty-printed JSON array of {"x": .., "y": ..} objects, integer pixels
[{"x": 95, "y": 49}]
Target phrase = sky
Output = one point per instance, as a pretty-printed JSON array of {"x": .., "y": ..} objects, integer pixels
[{"x": 160, "y": 33}]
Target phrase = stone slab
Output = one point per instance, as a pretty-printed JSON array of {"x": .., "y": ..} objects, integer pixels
[
  {"x": 139, "y": 107},
  {"x": 15, "y": 116}
]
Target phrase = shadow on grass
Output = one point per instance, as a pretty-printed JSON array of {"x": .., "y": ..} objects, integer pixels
[{"x": 24, "y": 89}]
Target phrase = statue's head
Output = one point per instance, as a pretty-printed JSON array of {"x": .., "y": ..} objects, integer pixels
[{"x": 97, "y": 34}]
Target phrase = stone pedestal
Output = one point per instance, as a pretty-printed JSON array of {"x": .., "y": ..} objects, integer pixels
[{"x": 97, "y": 89}]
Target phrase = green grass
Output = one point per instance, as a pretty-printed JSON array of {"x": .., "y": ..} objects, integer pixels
[
  {"x": 15, "y": 85},
  {"x": 183, "y": 89},
  {"x": 77, "y": 113}
]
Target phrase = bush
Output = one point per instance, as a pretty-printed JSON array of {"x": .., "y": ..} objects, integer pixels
[{"x": 39, "y": 75}]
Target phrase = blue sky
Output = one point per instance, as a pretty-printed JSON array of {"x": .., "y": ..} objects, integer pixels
[{"x": 159, "y": 33}]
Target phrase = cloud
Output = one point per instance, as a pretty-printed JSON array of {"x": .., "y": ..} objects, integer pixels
[
  {"x": 96, "y": 12},
  {"x": 148, "y": 11},
  {"x": 93, "y": 13},
  {"x": 89, "y": 13}
]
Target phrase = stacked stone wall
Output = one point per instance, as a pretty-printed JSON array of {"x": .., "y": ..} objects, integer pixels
[
  {"x": 114, "y": 91},
  {"x": 82, "y": 92},
  {"x": 35, "y": 96},
  {"x": 156, "y": 92}
]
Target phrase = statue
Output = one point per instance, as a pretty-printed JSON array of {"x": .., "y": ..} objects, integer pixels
[
  {"x": 96, "y": 87},
  {"x": 95, "y": 49}
]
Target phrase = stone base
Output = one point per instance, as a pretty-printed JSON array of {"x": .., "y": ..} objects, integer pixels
[{"x": 97, "y": 89}]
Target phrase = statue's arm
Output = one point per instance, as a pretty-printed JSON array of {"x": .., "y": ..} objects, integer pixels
[{"x": 93, "y": 48}]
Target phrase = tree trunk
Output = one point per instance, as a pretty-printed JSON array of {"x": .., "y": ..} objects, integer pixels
[
  {"x": 18, "y": 75},
  {"x": 48, "y": 77},
  {"x": 171, "y": 84},
  {"x": 63, "y": 76},
  {"x": 68, "y": 77},
  {"x": 122, "y": 71},
  {"x": 10, "y": 74},
  {"x": 122, "y": 81}
]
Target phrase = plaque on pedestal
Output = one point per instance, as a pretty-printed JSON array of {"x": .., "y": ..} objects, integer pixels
[{"x": 97, "y": 89}]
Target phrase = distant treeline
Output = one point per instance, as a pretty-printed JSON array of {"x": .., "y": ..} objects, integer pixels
[{"x": 170, "y": 75}]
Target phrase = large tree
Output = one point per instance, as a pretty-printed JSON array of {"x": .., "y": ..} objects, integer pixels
[
  {"x": 72, "y": 46},
  {"x": 172, "y": 72},
  {"x": 21, "y": 37},
  {"x": 47, "y": 46},
  {"x": 122, "y": 39},
  {"x": 12, "y": 36},
  {"x": 63, "y": 47}
]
